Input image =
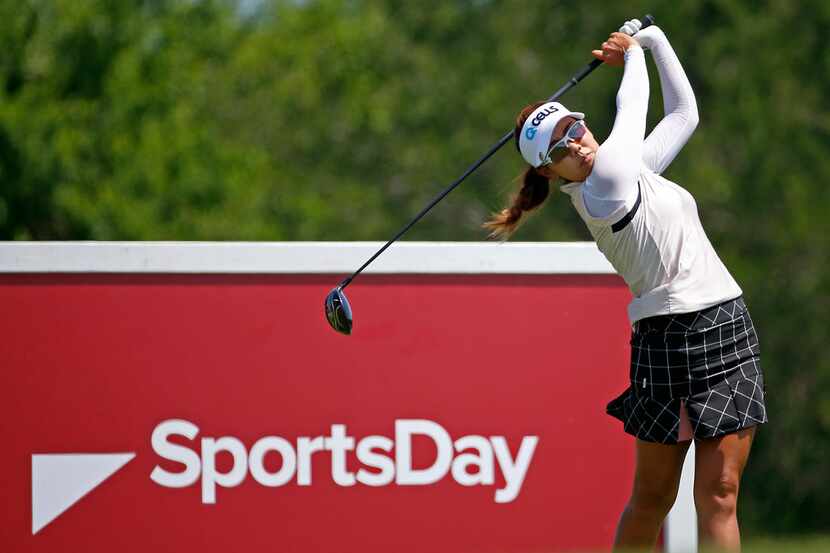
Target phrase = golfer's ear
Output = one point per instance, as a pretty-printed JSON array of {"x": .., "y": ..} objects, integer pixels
[{"x": 547, "y": 172}]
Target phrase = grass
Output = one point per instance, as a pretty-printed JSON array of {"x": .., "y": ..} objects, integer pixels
[
  {"x": 792, "y": 544},
  {"x": 802, "y": 544}
]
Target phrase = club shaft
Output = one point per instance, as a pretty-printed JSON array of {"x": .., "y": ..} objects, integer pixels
[
  {"x": 573, "y": 81},
  {"x": 493, "y": 149}
]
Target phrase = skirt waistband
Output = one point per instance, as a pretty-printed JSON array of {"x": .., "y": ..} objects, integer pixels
[{"x": 696, "y": 320}]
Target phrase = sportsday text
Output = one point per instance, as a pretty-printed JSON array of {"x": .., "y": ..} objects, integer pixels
[{"x": 479, "y": 453}]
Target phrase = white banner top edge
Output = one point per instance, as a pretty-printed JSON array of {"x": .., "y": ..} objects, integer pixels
[{"x": 303, "y": 257}]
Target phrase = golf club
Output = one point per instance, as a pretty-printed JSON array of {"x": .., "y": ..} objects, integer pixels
[{"x": 338, "y": 310}]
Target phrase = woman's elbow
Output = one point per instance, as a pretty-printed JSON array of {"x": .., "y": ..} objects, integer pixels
[
  {"x": 689, "y": 117},
  {"x": 693, "y": 118}
]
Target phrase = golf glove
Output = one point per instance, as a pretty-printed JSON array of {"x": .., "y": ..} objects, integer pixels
[{"x": 631, "y": 27}]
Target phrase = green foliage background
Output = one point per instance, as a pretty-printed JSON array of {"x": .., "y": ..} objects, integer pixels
[{"x": 338, "y": 120}]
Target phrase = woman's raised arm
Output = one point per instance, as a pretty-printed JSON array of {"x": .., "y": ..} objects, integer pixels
[
  {"x": 617, "y": 164},
  {"x": 679, "y": 105}
]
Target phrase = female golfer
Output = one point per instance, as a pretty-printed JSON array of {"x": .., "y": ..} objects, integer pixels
[{"x": 695, "y": 369}]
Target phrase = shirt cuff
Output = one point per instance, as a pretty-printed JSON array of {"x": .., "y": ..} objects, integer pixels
[{"x": 633, "y": 50}]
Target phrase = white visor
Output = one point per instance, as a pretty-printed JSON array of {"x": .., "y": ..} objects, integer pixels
[{"x": 534, "y": 139}]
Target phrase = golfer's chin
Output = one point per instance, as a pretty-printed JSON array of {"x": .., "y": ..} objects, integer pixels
[{"x": 575, "y": 169}]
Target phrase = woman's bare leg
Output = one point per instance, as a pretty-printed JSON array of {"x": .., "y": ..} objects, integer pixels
[
  {"x": 656, "y": 479},
  {"x": 719, "y": 464}
]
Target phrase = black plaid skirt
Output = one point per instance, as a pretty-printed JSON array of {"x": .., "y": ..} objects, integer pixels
[{"x": 708, "y": 359}]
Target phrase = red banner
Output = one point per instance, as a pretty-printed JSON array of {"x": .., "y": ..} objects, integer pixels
[{"x": 221, "y": 413}]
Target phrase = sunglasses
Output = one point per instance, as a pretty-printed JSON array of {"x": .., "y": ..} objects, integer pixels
[{"x": 559, "y": 150}]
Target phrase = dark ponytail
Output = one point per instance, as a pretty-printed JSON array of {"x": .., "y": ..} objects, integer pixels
[{"x": 535, "y": 189}]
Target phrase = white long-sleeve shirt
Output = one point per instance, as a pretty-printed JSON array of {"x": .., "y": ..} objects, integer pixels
[{"x": 663, "y": 253}]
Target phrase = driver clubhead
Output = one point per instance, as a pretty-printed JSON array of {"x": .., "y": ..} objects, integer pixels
[{"x": 338, "y": 311}]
